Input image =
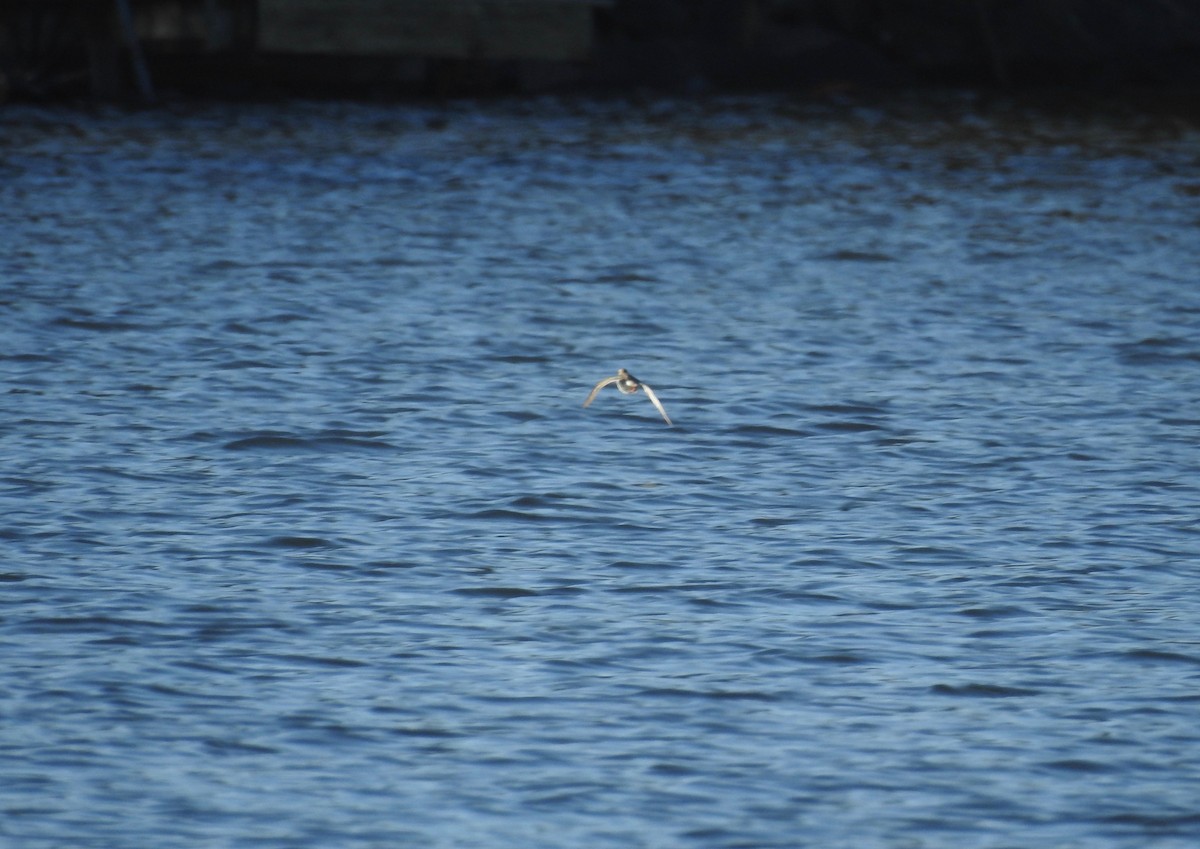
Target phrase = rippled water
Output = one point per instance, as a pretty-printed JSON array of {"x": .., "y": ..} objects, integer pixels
[{"x": 308, "y": 541}]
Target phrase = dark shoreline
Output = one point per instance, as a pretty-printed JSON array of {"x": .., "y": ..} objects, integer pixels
[{"x": 678, "y": 47}]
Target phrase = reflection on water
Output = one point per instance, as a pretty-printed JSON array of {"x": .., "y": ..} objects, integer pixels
[{"x": 310, "y": 541}]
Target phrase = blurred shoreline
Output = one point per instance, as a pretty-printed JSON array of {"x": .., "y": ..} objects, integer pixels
[{"x": 262, "y": 50}]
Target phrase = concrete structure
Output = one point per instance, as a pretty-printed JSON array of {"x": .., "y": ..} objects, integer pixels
[{"x": 457, "y": 29}]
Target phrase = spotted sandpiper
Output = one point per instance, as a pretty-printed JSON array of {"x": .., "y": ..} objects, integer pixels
[{"x": 628, "y": 384}]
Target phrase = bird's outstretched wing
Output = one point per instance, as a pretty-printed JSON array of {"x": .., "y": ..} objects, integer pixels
[
  {"x": 596, "y": 389},
  {"x": 654, "y": 400}
]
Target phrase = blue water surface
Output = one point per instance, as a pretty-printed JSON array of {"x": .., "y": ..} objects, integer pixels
[{"x": 307, "y": 540}]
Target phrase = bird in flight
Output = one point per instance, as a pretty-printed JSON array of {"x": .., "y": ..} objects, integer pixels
[{"x": 628, "y": 384}]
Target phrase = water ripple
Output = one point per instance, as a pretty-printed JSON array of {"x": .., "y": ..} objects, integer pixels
[{"x": 309, "y": 540}]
